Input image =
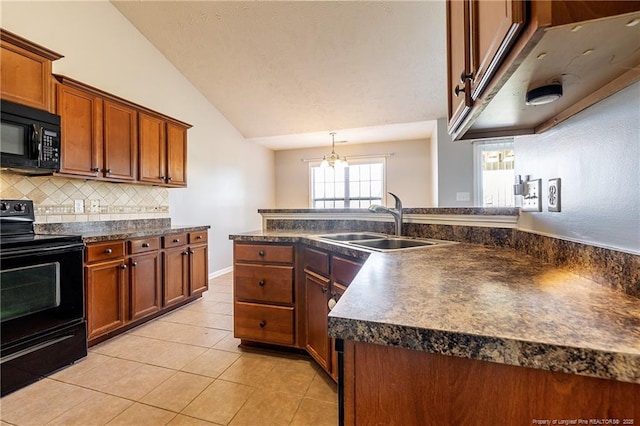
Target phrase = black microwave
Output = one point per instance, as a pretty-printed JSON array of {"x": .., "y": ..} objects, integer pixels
[{"x": 30, "y": 139}]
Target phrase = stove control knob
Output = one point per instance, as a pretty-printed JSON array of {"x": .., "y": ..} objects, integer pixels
[
  {"x": 19, "y": 207},
  {"x": 4, "y": 206}
]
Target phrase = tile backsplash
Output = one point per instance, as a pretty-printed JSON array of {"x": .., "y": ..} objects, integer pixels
[{"x": 54, "y": 198}]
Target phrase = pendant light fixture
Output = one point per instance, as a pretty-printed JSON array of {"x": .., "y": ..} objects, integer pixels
[{"x": 333, "y": 160}]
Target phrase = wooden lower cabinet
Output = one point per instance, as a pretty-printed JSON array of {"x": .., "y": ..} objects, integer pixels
[
  {"x": 175, "y": 264},
  {"x": 397, "y": 386},
  {"x": 317, "y": 342},
  {"x": 145, "y": 285},
  {"x": 105, "y": 297},
  {"x": 129, "y": 282},
  {"x": 264, "y": 323}
]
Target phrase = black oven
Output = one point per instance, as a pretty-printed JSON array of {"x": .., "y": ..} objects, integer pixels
[
  {"x": 29, "y": 139},
  {"x": 42, "y": 327}
]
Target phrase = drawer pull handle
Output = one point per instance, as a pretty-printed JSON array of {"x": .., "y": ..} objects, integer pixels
[
  {"x": 108, "y": 251},
  {"x": 261, "y": 283},
  {"x": 261, "y": 253},
  {"x": 263, "y": 323},
  {"x": 176, "y": 240},
  {"x": 199, "y": 237},
  {"x": 145, "y": 245}
]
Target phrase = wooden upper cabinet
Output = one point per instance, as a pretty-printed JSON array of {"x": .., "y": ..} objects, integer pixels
[
  {"x": 25, "y": 72},
  {"x": 495, "y": 24},
  {"x": 498, "y": 50},
  {"x": 459, "y": 61},
  {"x": 120, "y": 141},
  {"x": 176, "y": 154},
  {"x": 153, "y": 149},
  {"x": 81, "y": 121}
]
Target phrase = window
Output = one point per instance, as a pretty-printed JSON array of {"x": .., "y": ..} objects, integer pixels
[
  {"x": 494, "y": 173},
  {"x": 357, "y": 186}
]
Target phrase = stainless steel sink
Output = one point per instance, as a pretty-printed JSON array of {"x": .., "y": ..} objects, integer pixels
[
  {"x": 393, "y": 244},
  {"x": 352, "y": 236},
  {"x": 381, "y": 242}
]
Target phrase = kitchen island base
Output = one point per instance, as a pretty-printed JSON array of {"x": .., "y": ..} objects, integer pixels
[{"x": 397, "y": 386}]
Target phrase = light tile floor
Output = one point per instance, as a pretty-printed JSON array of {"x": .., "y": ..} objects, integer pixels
[{"x": 184, "y": 368}]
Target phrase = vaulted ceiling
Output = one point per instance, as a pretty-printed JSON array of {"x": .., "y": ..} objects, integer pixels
[{"x": 286, "y": 73}]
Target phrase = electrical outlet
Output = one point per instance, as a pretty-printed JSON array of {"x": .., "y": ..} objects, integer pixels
[
  {"x": 78, "y": 206},
  {"x": 531, "y": 200},
  {"x": 93, "y": 206},
  {"x": 553, "y": 195}
]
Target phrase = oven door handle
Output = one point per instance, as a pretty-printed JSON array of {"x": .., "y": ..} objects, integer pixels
[
  {"x": 40, "y": 250},
  {"x": 35, "y": 348}
]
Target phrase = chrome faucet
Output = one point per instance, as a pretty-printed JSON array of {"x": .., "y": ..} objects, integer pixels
[{"x": 396, "y": 213}]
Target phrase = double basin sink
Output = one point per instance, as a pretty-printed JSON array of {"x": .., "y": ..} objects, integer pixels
[{"x": 381, "y": 242}]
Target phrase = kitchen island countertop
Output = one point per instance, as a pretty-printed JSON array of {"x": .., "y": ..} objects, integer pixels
[{"x": 487, "y": 303}]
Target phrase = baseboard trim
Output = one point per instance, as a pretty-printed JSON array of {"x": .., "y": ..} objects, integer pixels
[{"x": 220, "y": 272}]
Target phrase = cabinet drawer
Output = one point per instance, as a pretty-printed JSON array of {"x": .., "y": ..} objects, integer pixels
[
  {"x": 263, "y": 253},
  {"x": 143, "y": 245},
  {"x": 198, "y": 237},
  {"x": 344, "y": 270},
  {"x": 104, "y": 251},
  {"x": 264, "y": 323},
  {"x": 174, "y": 240},
  {"x": 264, "y": 283},
  {"x": 316, "y": 261}
]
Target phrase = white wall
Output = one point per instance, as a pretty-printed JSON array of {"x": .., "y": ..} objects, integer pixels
[
  {"x": 229, "y": 178},
  {"x": 409, "y": 171},
  {"x": 597, "y": 156},
  {"x": 455, "y": 168}
]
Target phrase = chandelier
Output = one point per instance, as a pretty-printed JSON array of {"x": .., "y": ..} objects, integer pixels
[{"x": 333, "y": 159}]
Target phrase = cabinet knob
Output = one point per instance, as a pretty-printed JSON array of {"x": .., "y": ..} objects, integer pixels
[
  {"x": 145, "y": 245},
  {"x": 176, "y": 240},
  {"x": 458, "y": 90},
  {"x": 191, "y": 252},
  {"x": 261, "y": 253},
  {"x": 185, "y": 253},
  {"x": 169, "y": 179},
  {"x": 199, "y": 237},
  {"x": 123, "y": 266},
  {"x": 331, "y": 303},
  {"x": 324, "y": 289},
  {"x": 108, "y": 251},
  {"x": 95, "y": 169},
  {"x": 464, "y": 76},
  {"x": 134, "y": 264},
  {"x": 163, "y": 178},
  {"x": 263, "y": 323},
  {"x": 261, "y": 283},
  {"x": 108, "y": 171}
]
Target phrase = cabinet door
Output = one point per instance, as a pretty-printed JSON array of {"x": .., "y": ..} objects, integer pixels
[
  {"x": 81, "y": 121},
  {"x": 25, "y": 76},
  {"x": 458, "y": 61},
  {"x": 120, "y": 141},
  {"x": 176, "y": 155},
  {"x": 317, "y": 344},
  {"x": 198, "y": 269},
  {"x": 495, "y": 25},
  {"x": 152, "y": 144},
  {"x": 175, "y": 264},
  {"x": 145, "y": 285},
  {"x": 106, "y": 298}
]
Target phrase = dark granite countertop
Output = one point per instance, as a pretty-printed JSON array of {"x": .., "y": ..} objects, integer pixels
[
  {"x": 97, "y": 236},
  {"x": 488, "y": 303},
  {"x": 475, "y": 211},
  {"x": 92, "y": 232}
]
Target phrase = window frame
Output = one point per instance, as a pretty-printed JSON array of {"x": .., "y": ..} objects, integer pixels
[
  {"x": 351, "y": 161},
  {"x": 479, "y": 147}
]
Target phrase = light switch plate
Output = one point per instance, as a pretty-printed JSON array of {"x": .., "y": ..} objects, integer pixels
[
  {"x": 531, "y": 200},
  {"x": 553, "y": 195},
  {"x": 78, "y": 206}
]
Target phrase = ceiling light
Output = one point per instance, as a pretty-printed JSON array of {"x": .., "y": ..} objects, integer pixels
[
  {"x": 544, "y": 95},
  {"x": 333, "y": 159}
]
